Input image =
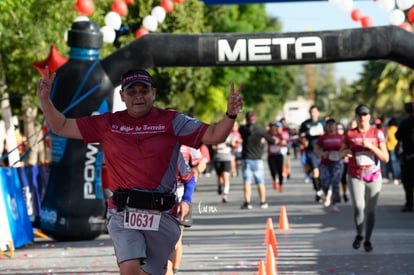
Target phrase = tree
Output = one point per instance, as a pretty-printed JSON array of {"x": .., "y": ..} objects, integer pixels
[
  {"x": 264, "y": 88},
  {"x": 29, "y": 27}
]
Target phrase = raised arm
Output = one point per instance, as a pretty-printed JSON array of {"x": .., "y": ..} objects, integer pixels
[
  {"x": 57, "y": 122},
  {"x": 219, "y": 132}
]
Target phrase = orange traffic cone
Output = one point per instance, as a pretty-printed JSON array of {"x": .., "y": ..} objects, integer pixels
[
  {"x": 269, "y": 225},
  {"x": 262, "y": 268},
  {"x": 283, "y": 219},
  {"x": 270, "y": 261},
  {"x": 273, "y": 243},
  {"x": 270, "y": 237}
]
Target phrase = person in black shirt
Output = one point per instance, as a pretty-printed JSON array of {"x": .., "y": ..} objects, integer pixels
[
  {"x": 405, "y": 134},
  {"x": 309, "y": 132},
  {"x": 251, "y": 159}
]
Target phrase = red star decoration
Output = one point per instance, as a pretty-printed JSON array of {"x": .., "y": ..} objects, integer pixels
[{"x": 53, "y": 61}]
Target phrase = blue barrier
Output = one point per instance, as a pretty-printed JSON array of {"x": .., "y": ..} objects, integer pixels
[{"x": 20, "y": 198}]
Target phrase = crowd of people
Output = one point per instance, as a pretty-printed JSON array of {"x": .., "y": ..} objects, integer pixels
[{"x": 343, "y": 161}]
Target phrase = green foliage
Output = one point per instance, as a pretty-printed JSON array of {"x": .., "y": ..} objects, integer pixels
[
  {"x": 28, "y": 28},
  {"x": 262, "y": 86}
]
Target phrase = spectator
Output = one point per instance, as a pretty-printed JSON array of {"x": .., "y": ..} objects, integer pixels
[
  {"x": 393, "y": 164},
  {"x": 405, "y": 135}
]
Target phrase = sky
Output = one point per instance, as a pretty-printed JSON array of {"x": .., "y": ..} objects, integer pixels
[{"x": 322, "y": 16}]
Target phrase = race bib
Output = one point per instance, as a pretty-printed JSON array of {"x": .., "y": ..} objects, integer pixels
[
  {"x": 142, "y": 219},
  {"x": 364, "y": 158},
  {"x": 333, "y": 155}
]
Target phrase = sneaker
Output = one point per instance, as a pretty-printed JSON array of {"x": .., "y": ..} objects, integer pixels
[
  {"x": 346, "y": 198},
  {"x": 225, "y": 199},
  {"x": 327, "y": 199},
  {"x": 264, "y": 205},
  {"x": 246, "y": 205},
  {"x": 335, "y": 209},
  {"x": 357, "y": 242},
  {"x": 318, "y": 195},
  {"x": 368, "y": 246},
  {"x": 275, "y": 185},
  {"x": 219, "y": 189},
  {"x": 281, "y": 189}
]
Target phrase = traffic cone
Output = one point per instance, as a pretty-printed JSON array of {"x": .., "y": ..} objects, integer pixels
[
  {"x": 270, "y": 237},
  {"x": 269, "y": 226},
  {"x": 273, "y": 243},
  {"x": 270, "y": 261},
  {"x": 283, "y": 219},
  {"x": 262, "y": 268}
]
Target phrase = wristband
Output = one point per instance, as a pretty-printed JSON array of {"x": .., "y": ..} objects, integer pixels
[
  {"x": 189, "y": 190},
  {"x": 231, "y": 116}
]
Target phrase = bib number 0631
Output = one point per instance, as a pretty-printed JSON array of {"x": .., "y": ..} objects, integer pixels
[{"x": 142, "y": 219}]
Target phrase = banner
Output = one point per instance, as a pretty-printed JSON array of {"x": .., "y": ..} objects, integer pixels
[{"x": 13, "y": 209}]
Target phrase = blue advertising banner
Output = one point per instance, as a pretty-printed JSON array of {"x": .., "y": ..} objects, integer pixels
[{"x": 20, "y": 226}]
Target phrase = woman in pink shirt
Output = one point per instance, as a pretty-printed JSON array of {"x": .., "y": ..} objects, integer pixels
[{"x": 365, "y": 147}]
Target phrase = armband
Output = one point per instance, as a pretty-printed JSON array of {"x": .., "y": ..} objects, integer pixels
[{"x": 189, "y": 187}]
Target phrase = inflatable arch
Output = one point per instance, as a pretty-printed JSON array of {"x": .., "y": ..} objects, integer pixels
[{"x": 73, "y": 207}]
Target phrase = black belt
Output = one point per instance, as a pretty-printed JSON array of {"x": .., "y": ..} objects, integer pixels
[{"x": 143, "y": 200}]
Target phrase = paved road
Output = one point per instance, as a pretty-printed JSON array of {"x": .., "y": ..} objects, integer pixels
[{"x": 227, "y": 240}]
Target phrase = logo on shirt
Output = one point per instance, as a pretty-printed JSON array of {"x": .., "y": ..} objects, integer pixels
[{"x": 139, "y": 129}]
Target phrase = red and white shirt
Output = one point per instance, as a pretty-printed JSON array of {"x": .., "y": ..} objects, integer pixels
[
  {"x": 142, "y": 153},
  {"x": 330, "y": 143},
  {"x": 362, "y": 158}
]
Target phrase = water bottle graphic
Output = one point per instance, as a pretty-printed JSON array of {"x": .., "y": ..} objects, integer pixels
[{"x": 73, "y": 207}]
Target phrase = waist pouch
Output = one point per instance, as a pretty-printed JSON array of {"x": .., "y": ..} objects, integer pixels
[
  {"x": 143, "y": 200},
  {"x": 371, "y": 174}
]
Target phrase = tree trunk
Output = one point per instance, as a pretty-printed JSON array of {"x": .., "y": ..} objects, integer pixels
[
  {"x": 34, "y": 136},
  {"x": 11, "y": 142}
]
